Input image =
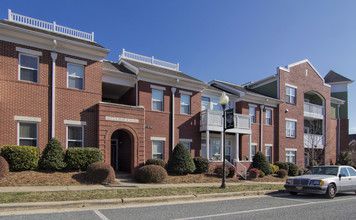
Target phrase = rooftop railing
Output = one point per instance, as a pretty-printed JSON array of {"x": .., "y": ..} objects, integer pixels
[
  {"x": 53, "y": 27},
  {"x": 149, "y": 60}
]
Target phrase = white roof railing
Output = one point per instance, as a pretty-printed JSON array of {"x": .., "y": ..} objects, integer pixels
[
  {"x": 53, "y": 27},
  {"x": 148, "y": 60}
]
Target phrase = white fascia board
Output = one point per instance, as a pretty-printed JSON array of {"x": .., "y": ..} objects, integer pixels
[
  {"x": 129, "y": 66},
  {"x": 179, "y": 86},
  {"x": 337, "y": 101},
  {"x": 287, "y": 68},
  {"x": 228, "y": 88},
  {"x": 263, "y": 82},
  {"x": 112, "y": 79},
  {"x": 117, "y": 73}
]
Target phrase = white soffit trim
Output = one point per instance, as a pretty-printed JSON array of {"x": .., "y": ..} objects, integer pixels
[
  {"x": 25, "y": 118},
  {"x": 289, "y": 85},
  {"x": 76, "y": 61},
  {"x": 291, "y": 119},
  {"x": 71, "y": 122},
  {"x": 28, "y": 51},
  {"x": 291, "y": 149},
  {"x": 129, "y": 66},
  {"x": 158, "y": 87},
  {"x": 185, "y": 93},
  {"x": 185, "y": 140},
  {"x": 158, "y": 139}
]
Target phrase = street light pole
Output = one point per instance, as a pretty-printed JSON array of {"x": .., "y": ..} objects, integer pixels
[{"x": 224, "y": 100}]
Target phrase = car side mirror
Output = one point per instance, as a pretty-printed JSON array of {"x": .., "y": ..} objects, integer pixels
[{"x": 342, "y": 175}]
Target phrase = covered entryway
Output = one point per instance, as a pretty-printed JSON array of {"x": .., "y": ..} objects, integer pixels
[{"x": 121, "y": 150}]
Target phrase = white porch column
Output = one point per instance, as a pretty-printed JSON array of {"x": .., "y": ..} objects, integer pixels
[
  {"x": 54, "y": 57},
  {"x": 261, "y": 124},
  {"x": 237, "y": 145},
  {"x": 173, "y": 90},
  {"x": 207, "y": 144}
]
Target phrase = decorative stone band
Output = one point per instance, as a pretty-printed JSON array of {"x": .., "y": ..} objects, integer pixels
[{"x": 109, "y": 118}]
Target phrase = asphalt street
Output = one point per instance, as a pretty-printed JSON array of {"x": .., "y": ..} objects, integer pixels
[{"x": 282, "y": 206}]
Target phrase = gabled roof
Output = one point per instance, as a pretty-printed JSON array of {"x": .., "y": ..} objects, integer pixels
[
  {"x": 29, "y": 28},
  {"x": 333, "y": 77},
  {"x": 113, "y": 66}
]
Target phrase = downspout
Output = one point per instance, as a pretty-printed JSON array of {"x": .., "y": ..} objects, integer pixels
[
  {"x": 261, "y": 125},
  {"x": 173, "y": 97},
  {"x": 54, "y": 57},
  {"x": 338, "y": 135},
  {"x": 136, "y": 79}
]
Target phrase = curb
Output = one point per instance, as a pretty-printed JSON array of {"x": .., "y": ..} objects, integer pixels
[{"x": 107, "y": 202}]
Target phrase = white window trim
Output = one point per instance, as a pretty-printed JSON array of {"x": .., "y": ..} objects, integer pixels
[
  {"x": 185, "y": 140},
  {"x": 185, "y": 92},
  {"x": 70, "y": 63},
  {"x": 289, "y": 85},
  {"x": 249, "y": 151},
  {"x": 18, "y": 131},
  {"x": 291, "y": 149},
  {"x": 76, "y": 61},
  {"x": 28, "y": 51},
  {"x": 26, "y": 119},
  {"x": 162, "y": 141},
  {"x": 67, "y": 140},
  {"x": 158, "y": 139},
  {"x": 189, "y": 105},
  {"x": 291, "y": 119},
  {"x": 252, "y": 105},
  {"x": 71, "y": 122},
  {"x": 158, "y": 87},
  {"x": 19, "y": 67}
]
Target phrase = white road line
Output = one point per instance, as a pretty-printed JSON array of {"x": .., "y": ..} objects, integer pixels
[
  {"x": 101, "y": 215},
  {"x": 264, "y": 209}
]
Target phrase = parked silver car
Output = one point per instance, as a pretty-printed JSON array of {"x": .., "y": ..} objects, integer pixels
[{"x": 327, "y": 180}]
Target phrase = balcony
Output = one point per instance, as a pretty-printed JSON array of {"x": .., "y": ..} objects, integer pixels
[
  {"x": 314, "y": 140},
  {"x": 211, "y": 120},
  {"x": 313, "y": 111}
]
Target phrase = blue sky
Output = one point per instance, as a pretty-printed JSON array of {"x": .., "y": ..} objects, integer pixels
[{"x": 235, "y": 41}]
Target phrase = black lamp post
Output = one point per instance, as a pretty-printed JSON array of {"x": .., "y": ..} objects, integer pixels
[{"x": 224, "y": 100}]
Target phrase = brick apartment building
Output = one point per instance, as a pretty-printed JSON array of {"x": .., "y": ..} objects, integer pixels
[{"x": 56, "y": 84}]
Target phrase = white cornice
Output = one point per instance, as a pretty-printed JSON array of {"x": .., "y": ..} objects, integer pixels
[{"x": 129, "y": 66}]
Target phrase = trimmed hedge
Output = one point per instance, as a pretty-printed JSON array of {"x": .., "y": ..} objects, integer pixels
[
  {"x": 282, "y": 173},
  {"x": 293, "y": 169},
  {"x": 254, "y": 173},
  {"x": 52, "y": 156},
  {"x": 151, "y": 174},
  {"x": 260, "y": 162},
  {"x": 180, "y": 162},
  {"x": 21, "y": 157},
  {"x": 158, "y": 162},
  {"x": 100, "y": 172},
  {"x": 201, "y": 165},
  {"x": 79, "y": 158},
  {"x": 229, "y": 171},
  {"x": 4, "y": 167},
  {"x": 275, "y": 168},
  {"x": 262, "y": 174},
  {"x": 282, "y": 165}
]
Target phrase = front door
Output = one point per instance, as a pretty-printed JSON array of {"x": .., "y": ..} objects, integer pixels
[{"x": 114, "y": 154}]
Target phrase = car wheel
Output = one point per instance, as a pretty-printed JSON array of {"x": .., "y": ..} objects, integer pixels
[
  {"x": 293, "y": 193},
  {"x": 331, "y": 191}
]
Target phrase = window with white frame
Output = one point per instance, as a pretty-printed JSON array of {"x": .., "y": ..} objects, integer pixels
[
  {"x": 205, "y": 103},
  {"x": 290, "y": 95},
  {"x": 215, "y": 104},
  {"x": 268, "y": 117},
  {"x": 252, "y": 113},
  {"x": 184, "y": 104},
  {"x": 157, "y": 100},
  {"x": 290, "y": 128},
  {"x": 291, "y": 155},
  {"x": 27, "y": 135},
  {"x": 253, "y": 148},
  {"x": 269, "y": 154},
  {"x": 186, "y": 144},
  {"x": 228, "y": 145},
  {"x": 203, "y": 148},
  {"x": 74, "y": 136},
  {"x": 215, "y": 149},
  {"x": 75, "y": 74},
  {"x": 28, "y": 68},
  {"x": 157, "y": 149}
]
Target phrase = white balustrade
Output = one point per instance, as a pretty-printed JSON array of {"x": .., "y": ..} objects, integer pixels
[
  {"x": 313, "y": 110},
  {"x": 314, "y": 141},
  {"x": 213, "y": 120},
  {"x": 49, "y": 26}
]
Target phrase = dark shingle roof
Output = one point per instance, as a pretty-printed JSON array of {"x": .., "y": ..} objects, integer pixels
[
  {"x": 116, "y": 67},
  {"x": 14, "y": 24},
  {"x": 333, "y": 77},
  {"x": 156, "y": 68}
]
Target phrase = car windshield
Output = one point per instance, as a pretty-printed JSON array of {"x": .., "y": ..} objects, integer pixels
[{"x": 324, "y": 171}]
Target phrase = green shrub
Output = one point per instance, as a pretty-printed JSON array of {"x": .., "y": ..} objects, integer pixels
[
  {"x": 4, "y": 167},
  {"x": 52, "y": 156},
  {"x": 260, "y": 162},
  {"x": 254, "y": 173},
  {"x": 282, "y": 173},
  {"x": 262, "y": 174},
  {"x": 282, "y": 165},
  {"x": 344, "y": 158},
  {"x": 21, "y": 157},
  {"x": 100, "y": 172},
  {"x": 151, "y": 174},
  {"x": 79, "y": 158},
  {"x": 159, "y": 162},
  {"x": 219, "y": 171},
  {"x": 275, "y": 168},
  {"x": 293, "y": 169},
  {"x": 201, "y": 164},
  {"x": 180, "y": 162}
]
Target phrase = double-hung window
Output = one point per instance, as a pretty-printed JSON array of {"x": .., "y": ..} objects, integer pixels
[
  {"x": 253, "y": 148},
  {"x": 252, "y": 113},
  {"x": 268, "y": 117},
  {"x": 291, "y": 156},
  {"x": 74, "y": 136},
  {"x": 27, "y": 134},
  {"x": 184, "y": 104},
  {"x": 290, "y": 95},
  {"x": 290, "y": 128},
  {"x": 75, "y": 74},
  {"x": 28, "y": 68},
  {"x": 157, "y": 100},
  {"x": 157, "y": 149},
  {"x": 205, "y": 103},
  {"x": 269, "y": 154}
]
